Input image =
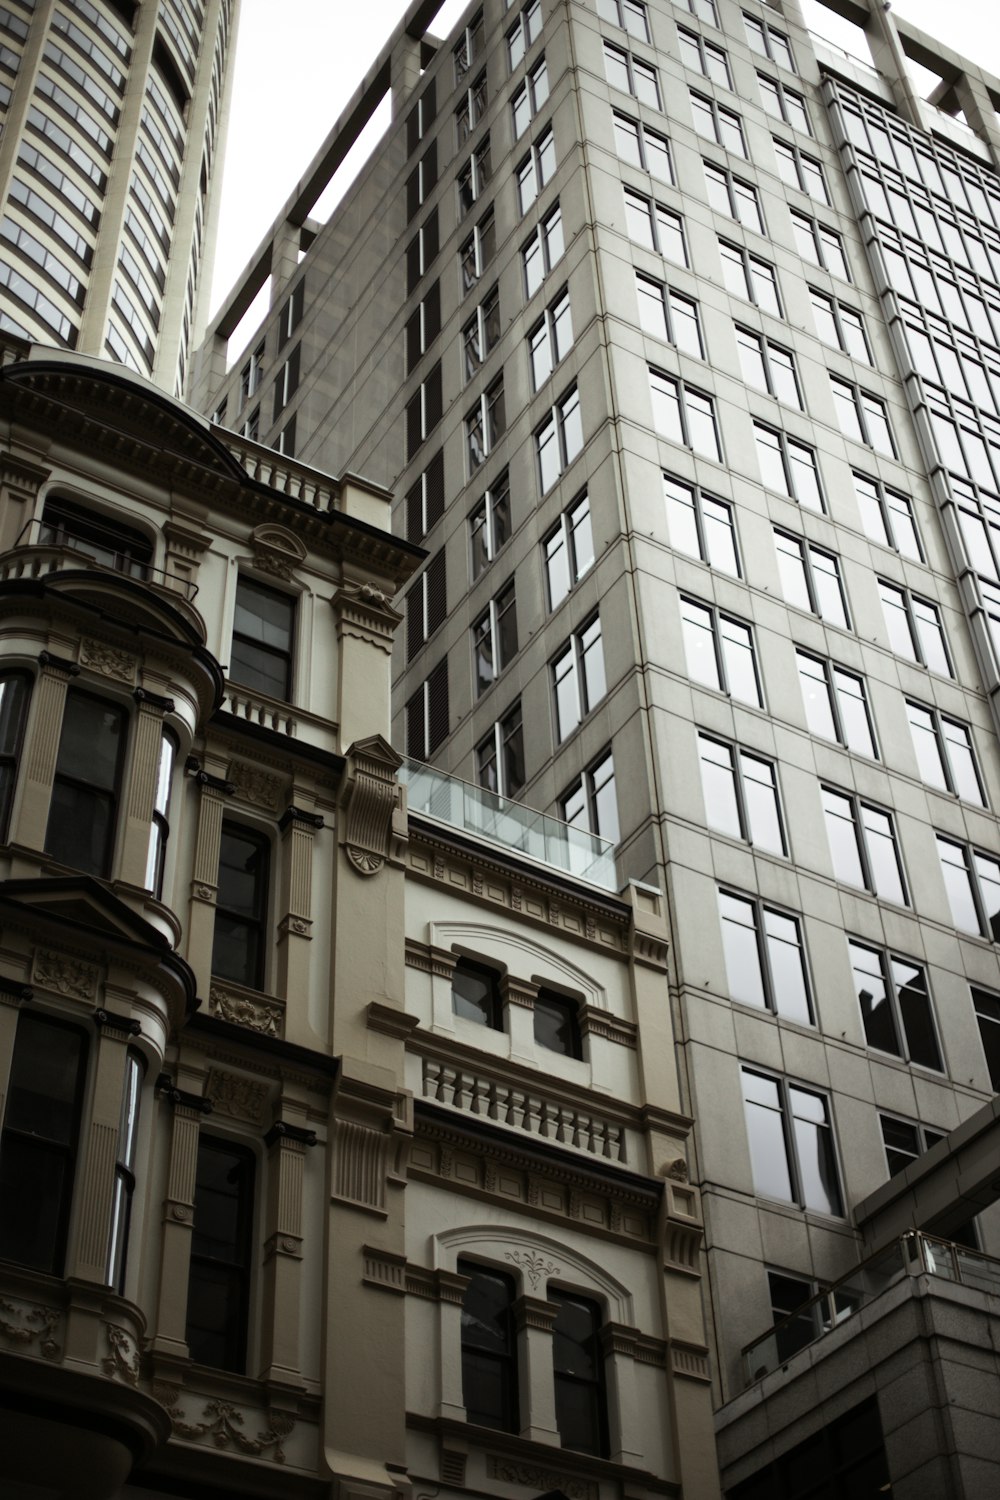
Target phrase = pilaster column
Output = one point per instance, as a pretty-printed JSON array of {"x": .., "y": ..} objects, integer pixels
[
  {"x": 178, "y": 1221},
  {"x": 618, "y": 1346},
  {"x": 365, "y": 625},
  {"x": 534, "y": 1320},
  {"x": 88, "y": 1259},
  {"x": 298, "y": 832},
  {"x": 519, "y": 996},
  {"x": 287, "y": 1144},
  {"x": 41, "y": 749},
  {"x": 146, "y": 747},
  {"x": 19, "y": 486},
  {"x": 205, "y": 878},
  {"x": 451, "y": 1293}
]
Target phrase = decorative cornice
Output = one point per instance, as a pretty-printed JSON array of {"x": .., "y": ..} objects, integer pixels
[
  {"x": 430, "y": 960},
  {"x": 438, "y": 1285},
  {"x": 237, "y": 1097},
  {"x": 255, "y": 785},
  {"x": 384, "y": 1269},
  {"x": 391, "y": 1022},
  {"x": 181, "y": 1098},
  {"x": 281, "y": 1133},
  {"x": 49, "y": 662},
  {"x": 601, "y": 1023},
  {"x": 14, "y": 992},
  {"x": 108, "y": 1020},
  {"x": 155, "y": 701},
  {"x": 363, "y": 610},
  {"x": 533, "y": 1312},
  {"x": 689, "y": 1361},
  {"x": 514, "y": 991},
  {"x": 64, "y": 975},
  {"x": 15, "y": 473},
  {"x": 108, "y": 661},
  {"x": 304, "y": 819}
]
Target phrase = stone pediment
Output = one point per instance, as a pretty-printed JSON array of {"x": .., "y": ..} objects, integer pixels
[{"x": 80, "y": 903}]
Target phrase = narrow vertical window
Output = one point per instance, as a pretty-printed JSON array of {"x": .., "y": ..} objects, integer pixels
[
  {"x": 238, "y": 950},
  {"x": 128, "y": 1135},
  {"x": 87, "y": 783},
  {"x": 578, "y": 1373},
  {"x": 261, "y": 650},
  {"x": 218, "y": 1310},
  {"x": 489, "y": 1349},
  {"x": 160, "y": 829},
  {"x": 15, "y": 690}
]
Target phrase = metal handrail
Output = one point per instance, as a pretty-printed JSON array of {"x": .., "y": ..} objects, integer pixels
[{"x": 62, "y": 541}]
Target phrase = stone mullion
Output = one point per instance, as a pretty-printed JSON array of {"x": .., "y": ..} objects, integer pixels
[
  {"x": 280, "y": 1321},
  {"x": 178, "y": 1224},
  {"x": 534, "y": 1319},
  {"x": 518, "y": 997},
  {"x": 96, "y": 1180},
  {"x": 41, "y": 751},
  {"x": 298, "y": 829},
  {"x": 451, "y": 1292},
  {"x": 146, "y": 744},
  {"x": 205, "y": 881},
  {"x": 618, "y": 1346}
]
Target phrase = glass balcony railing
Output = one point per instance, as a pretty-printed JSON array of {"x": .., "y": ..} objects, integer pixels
[
  {"x": 911, "y": 1255},
  {"x": 536, "y": 835}
]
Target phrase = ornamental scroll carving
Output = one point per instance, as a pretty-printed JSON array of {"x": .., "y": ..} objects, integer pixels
[
  {"x": 67, "y": 976},
  {"x": 533, "y": 1265},
  {"x": 255, "y": 785},
  {"x": 223, "y": 1423},
  {"x": 262, "y": 1016},
  {"x": 511, "y": 1471},
  {"x": 122, "y": 1358},
  {"x": 369, "y": 802},
  {"x": 23, "y": 1323},
  {"x": 364, "y": 611},
  {"x": 239, "y": 1098},
  {"x": 276, "y": 551},
  {"x": 109, "y": 661}
]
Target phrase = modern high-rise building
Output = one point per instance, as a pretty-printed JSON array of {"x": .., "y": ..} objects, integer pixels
[
  {"x": 676, "y": 332},
  {"x": 112, "y": 115}
]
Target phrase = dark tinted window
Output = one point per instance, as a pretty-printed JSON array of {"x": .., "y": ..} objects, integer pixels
[
  {"x": 489, "y": 1350},
  {"x": 475, "y": 994},
  {"x": 578, "y": 1370},
  {"x": 241, "y": 906},
  {"x": 85, "y": 789},
  {"x": 261, "y": 654},
  {"x": 219, "y": 1284}
]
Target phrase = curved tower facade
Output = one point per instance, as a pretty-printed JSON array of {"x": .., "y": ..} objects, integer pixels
[{"x": 112, "y": 120}]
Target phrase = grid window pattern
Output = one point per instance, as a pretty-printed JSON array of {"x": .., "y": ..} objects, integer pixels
[
  {"x": 684, "y": 415},
  {"x": 887, "y": 517},
  {"x": 972, "y": 879},
  {"x": 741, "y": 795},
  {"x": 669, "y": 315},
  {"x": 765, "y": 958},
  {"x": 426, "y": 604},
  {"x": 863, "y": 845},
  {"x": 471, "y": 110},
  {"x": 819, "y": 245},
  {"x": 703, "y": 56},
  {"x": 720, "y": 652},
  {"x": 656, "y": 227},
  {"x": 422, "y": 250},
  {"x": 915, "y": 629},
  {"x": 791, "y": 1143},
  {"x": 477, "y": 251},
  {"x": 559, "y": 440},
  {"x": 422, "y": 326},
  {"x": 788, "y": 467},
  {"x": 568, "y": 551},
  {"x": 494, "y": 638},
  {"x": 904, "y": 1141},
  {"x": 485, "y": 424},
  {"x": 490, "y": 525},
  {"x": 895, "y": 1005},
  {"x": 427, "y": 714},
  {"x": 261, "y": 651},
  {"x": 944, "y": 753},
  {"x": 782, "y": 103},
  {"x": 474, "y": 175},
  {"x": 550, "y": 340},
  {"x": 425, "y": 499},
  {"x": 732, "y": 196},
  {"x": 987, "y": 1008},
  {"x": 746, "y": 275},
  {"x": 643, "y": 148},
  {"x": 630, "y": 15},
  {"x": 701, "y": 525},
  {"x": 979, "y": 520},
  {"x": 836, "y": 704},
  {"x": 591, "y": 803},
  {"x": 578, "y": 678},
  {"x": 632, "y": 75},
  {"x": 530, "y": 97},
  {"x": 862, "y": 416},
  {"x": 500, "y": 756},
  {"x": 481, "y": 333},
  {"x": 542, "y": 251},
  {"x": 766, "y": 41},
  {"x": 524, "y": 33},
  {"x": 797, "y": 170},
  {"x": 810, "y": 579},
  {"x": 768, "y": 367},
  {"x": 536, "y": 170},
  {"x": 714, "y": 122}
]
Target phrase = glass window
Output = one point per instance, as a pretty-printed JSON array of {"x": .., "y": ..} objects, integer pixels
[
  {"x": 944, "y": 753},
  {"x": 768, "y": 367},
  {"x": 914, "y": 627},
  {"x": 500, "y": 756},
  {"x": 748, "y": 276},
  {"x": 887, "y": 517},
  {"x": 684, "y": 415},
  {"x": 490, "y": 524},
  {"x": 239, "y": 946},
  {"x": 125, "y": 1166},
  {"x": 494, "y": 638},
  {"x": 863, "y": 846},
  {"x": 160, "y": 829},
  {"x": 542, "y": 251},
  {"x": 895, "y": 1005},
  {"x": 85, "y": 791},
  {"x": 765, "y": 960},
  {"x": 987, "y": 1008},
  {"x": 568, "y": 551},
  {"x": 701, "y": 525},
  {"x": 791, "y": 1143},
  {"x": 578, "y": 677},
  {"x": 836, "y": 704},
  {"x": 557, "y": 1023},
  {"x": 591, "y": 803},
  {"x": 218, "y": 1309},
  {"x": 559, "y": 440},
  {"x": 475, "y": 994},
  {"x": 41, "y": 1130},
  {"x": 551, "y": 339},
  {"x": 972, "y": 879},
  {"x": 15, "y": 691},
  {"x": 788, "y": 466},
  {"x": 741, "y": 794},
  {"x": 810, "y": 578},
  {"x": 720, "y": 652},
  {"x": 261, "y": 650},
  {"x": 489, "y": 1349},
  {"x": 578, "y": 1374},
  {"x": 642, "y": 147}
]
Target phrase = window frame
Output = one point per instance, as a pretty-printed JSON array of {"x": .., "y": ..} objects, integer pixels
[
  {"x": 522, "y": 36},
  {"x": 471, "y": 109},
  {"x": 584, "y": 676},
  {"x": 949, "y": 782},
  {"x": 254, "y": 924},
  {"x": 664, "y": 225},
  {"x": 768, "y": 972},
  {"x": 549, "y": 333},
  {"x": 562, "y": 540},
  {"x": 491, "y": 1016},
  {"x": 698, "y": 499},
  {"x": 530, "y": 98},
  {"x": 556, "y": 425},
  {"x": 588, "y": 787},
  {"x": 894, "y": 1023},
  {"x": 798, "y": 1188},
  {"x": 474, "y": 176},
  {"x": 660, "y": 152},
  {"x": 738, "y": 193},
  {"x": 767, "y": 350},
  {"x": 635, "y": 68},
  {"x": 701, "y": 48},
  {"x": 535, "y": 170},
  {"x": 925, "y": 1138},
  {"x": 732, "y": 763},
  {"x": 785, "y": 448},
  {"x": 246, "y": 582},
  {"x": 508, "y": 1417},
  {"x": 718, "y": 618},
  {"x": 240, "y": 1269},
  {"x": 683, "y": 393},
  {"x": 806, "y": 224},
  {"x": 492, "y": 637},
  {"x": 918, "y": 651},
  {"x": 807, "y": 553},
  {"x": 491, "y": 507},
  {"x": 10, "y": 757},
  {"x": 830, "y": 670},
  {"x": 757, "y": 25},
  {"x": 986, "y": 1008},
  {"x": 988, "y": 926},
  {"x": 481, "y": 332},
  {"x": 477, "y": 251},
  {"x": 624, "y": 10},
  {"x": 503, "y": 749},
  {"x": 729, "y": 254},
  {"x": 848, "y": 392},
  {"x": 727, "y": 125},
  {"x": 540, "y": 244},
  {"x": 875, "y": 497},
  {"x": 804, "y": 169},
  {"x": 568, "y": 1380},
  {"x": 485, "y": 424},
  {"x": 109, "y": 797},
  {"x": 792, "y": 109},
  {"x": 858, "y": 807}
]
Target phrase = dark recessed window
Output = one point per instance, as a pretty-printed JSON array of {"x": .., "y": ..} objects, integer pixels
[
  {"x": 125, "y": 1162},
  {"x": 15, "y": 690},
  {"x": 219, "y": 1281},
  {"x": 41, "y": 1128},
  {"x": 557, "y": 1024},
  {"x": 85, "y": 790},
  {"x": 159, "y": 830},
  {"x": 489, "y": 1349},
  {"x": 475, "y": 994},
  {"x": 106, "y": 541},
  {"x": 578, "y": 1372},
  {"x": 261, "y": 653},
  {"x": 241, "y": 906}
]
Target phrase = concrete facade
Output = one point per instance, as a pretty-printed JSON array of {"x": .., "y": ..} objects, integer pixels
[
  {"x": 779, "y": 398},
  {"x": 114, "y": 121}
]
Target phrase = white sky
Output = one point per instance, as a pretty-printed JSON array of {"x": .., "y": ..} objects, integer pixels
[{"x": 293, "y": 79}]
